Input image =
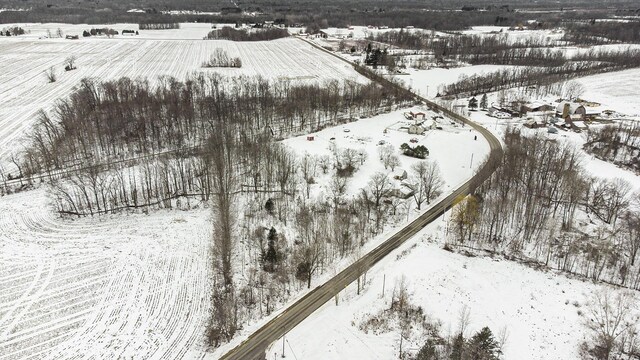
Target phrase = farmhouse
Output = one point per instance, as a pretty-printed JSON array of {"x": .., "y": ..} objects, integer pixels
[{"x": 417, "y": 115}]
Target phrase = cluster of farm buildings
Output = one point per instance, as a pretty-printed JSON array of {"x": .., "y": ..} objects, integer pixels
[{"x": 564, "y": 115}]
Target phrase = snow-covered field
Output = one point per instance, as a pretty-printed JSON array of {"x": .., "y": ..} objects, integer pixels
[
  {"x": 126, "y": 287},
  {"x": 24, "y": 89},
  {"x": 539, "y": 310},
  {"x": 426, "y": 82},
  {"x": 618, "y": 91}
]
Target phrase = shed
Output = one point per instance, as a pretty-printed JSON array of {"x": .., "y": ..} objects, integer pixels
[{"x": 400, "y": 174}]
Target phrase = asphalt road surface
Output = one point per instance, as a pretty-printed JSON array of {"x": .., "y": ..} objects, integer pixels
[{"x": 254, "y": 347}]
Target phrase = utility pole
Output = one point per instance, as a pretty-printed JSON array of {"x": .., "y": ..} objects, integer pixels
[
  {"x": 384, "y": 280},
  {"x": 471, "y": 164},
  {"x": 283, "y": 347}
]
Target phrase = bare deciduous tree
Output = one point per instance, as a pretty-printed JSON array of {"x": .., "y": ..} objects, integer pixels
[
  {"x": 428, "y": 181},
  {"x": 70, "y": 63},
  {"x": 612, "y": 320},
  {"x": 220, "y": 153},
  {"x": 51, "y": 75},
  {"x": 385, "y": 152},
  {"x": 379, "y": 187}
]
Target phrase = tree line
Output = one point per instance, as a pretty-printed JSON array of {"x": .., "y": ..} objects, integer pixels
[
  {"x": 589, "y": 63},
  {"x": 536, "y": 205},
  {"x": 229, "y": 33},
  {"x": 603, "y": 32},
  {"x": 12, "y": 31},
  {"x": 124, "y": 119},
  {"x": 158, "y": 25}
]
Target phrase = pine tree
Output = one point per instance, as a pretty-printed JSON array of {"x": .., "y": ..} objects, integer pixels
[
  {"x": 428, "y": 352},
  {"x": 483, "y": 346},
  {"x": 269, "y": 206},
  {"x": 483, "y": 102},
  {"x": 457, "y": 348},
  {"x": 272, "y": 256},
  {"x": 473, "y": 103}
]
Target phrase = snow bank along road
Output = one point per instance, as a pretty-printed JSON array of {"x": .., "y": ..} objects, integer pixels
[{"x": 255, "y": 346}]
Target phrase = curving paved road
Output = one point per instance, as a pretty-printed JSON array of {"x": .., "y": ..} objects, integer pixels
[{"x": 255, "y": 346}]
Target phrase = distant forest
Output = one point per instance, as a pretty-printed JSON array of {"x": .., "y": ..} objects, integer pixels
[{"x": 429, "y": 14}]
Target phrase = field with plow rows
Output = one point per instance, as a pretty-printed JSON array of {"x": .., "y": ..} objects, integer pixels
[
  {"x": 24, "y": 88},
  {"x": 104, "y": 288}
]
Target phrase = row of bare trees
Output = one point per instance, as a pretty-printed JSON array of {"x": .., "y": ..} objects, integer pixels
[
  {"x": 124, "y": 119},
  {"x": 477, "y": 49},
  {"x": 229, "y": 33},
  {"x": 603, "y": 32},
  {"x": 158, "y": 25},
  {"x": 538, "y": 204},
  {"x": 589, "y": 63}
]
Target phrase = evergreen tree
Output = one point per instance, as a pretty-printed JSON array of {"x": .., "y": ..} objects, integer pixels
[
  {"x": 473, "y": 103},
  {"x": 457, "y": 348},
  {"x": 428, "y": 352},
  {"x": 269, "y": 206},
  {"x": 483, "y": 102},
  {"x": 483, "y": 346},
  {"x": 272, "y": 256}
]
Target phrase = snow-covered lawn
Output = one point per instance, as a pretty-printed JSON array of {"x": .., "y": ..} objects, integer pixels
[
  {"x": 24, "y": 88},
  {"x": 454, "y": 148},
  {"x": 131, "y": 286},
  {"x": 539, "y": 310}
]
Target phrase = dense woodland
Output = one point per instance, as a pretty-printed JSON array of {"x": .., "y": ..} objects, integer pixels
[
  {"x": 603, "y": 32},
  {"x": 541, "y": 206},
  {"x": 125, "y": 119}
]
